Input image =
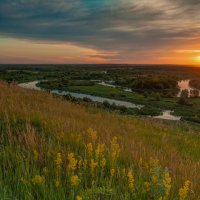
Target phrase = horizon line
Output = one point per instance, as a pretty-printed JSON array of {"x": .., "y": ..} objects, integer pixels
[{"x": 98, "y": 64}]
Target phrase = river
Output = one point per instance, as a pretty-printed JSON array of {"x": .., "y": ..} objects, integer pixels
[
  {"x": 165, "y": 115},
  {"x": 33, "y": 85},
  {"x": 110, "y": 84}
]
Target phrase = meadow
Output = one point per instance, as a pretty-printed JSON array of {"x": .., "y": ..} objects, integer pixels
[
  {"x": 153, "y": 103},
  {"x": 155, "y": 87},
  {"x": 51, "y": 148}
]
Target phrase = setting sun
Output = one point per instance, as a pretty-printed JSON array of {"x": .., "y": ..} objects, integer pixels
[{"x": 198, "y": 59}]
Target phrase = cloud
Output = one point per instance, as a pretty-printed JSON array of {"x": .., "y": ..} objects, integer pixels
[
  {"x": 187, "y": 51},
  {"x": 130, "y": 28}
]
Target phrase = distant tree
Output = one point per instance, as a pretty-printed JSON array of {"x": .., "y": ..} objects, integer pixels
[
  {"x": 113, "y": 106},
  {"x": 194, "y": 93},
  {"x": 67, "y": 97},
  {"x": 195, "y": 84},
  {"x": 183, "y": 97},
  {"x": 169, "y": 95},
  {"x": 86, "y": 99},
  {"x": 184, "y": 94},
  {"x": 113, "y": 95},
  {"x": 146, "y": 94},
  {"x": 157, "y": 96},
  {"x": 123, "y": 109},
  {"x": 106, "y": 104}
]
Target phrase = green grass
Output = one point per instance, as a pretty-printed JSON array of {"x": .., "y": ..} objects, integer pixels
[
  {"x": 152, "y": 106},
  {"x": 39, "y": 131},
  {"x": 100, "y": 90},
  {"x": 150, "y": 103},
  {"x": 124, "y": 76}
]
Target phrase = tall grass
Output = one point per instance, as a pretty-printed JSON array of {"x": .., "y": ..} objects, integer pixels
[{"x": 49, "y": 151}]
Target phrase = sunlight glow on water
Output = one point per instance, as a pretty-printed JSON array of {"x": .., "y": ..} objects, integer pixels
[{"x": 184, "y": 85}]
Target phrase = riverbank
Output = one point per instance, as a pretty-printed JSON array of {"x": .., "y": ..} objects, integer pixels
[
  {"x": 152, "y": 105},
  {"x": 80, "y": 80},
  {"x": 114, "y": 104}
]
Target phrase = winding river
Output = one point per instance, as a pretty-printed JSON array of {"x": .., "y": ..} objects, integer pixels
[
  {"x": 167, "y": 115},
  {"x": 33, "y": 85}
]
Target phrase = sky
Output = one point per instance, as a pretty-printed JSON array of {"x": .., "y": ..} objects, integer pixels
[{"x": 100, "y": 31}]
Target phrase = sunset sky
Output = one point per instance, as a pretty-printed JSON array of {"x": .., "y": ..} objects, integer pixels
[{"x": 100, "y": 31}]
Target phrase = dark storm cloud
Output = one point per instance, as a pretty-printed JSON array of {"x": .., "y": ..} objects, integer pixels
[
  {"x": 107, "y": 25},
  {"x": 189, "y": 2}
]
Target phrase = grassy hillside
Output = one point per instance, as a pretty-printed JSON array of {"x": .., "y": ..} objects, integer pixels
[{"x": 53, "y": 149}]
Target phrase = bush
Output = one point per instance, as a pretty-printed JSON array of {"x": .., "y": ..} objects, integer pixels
[
  {"x": 157, "y": 97},
  {"x": 183, "y": 100},
  {"x": 194, "y": 93},
  {"x": 86, "y": 99}
]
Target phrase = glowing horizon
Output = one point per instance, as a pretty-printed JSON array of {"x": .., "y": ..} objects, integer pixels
[{"x": 100, "y": 31}]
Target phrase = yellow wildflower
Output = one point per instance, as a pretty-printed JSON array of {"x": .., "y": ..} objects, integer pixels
[
  {"x": 60, "y": 135},
  {"x": 89, "y": 149},
  {"x": 130, "y": 180},
  {"x": 103, "y": 162},
  {"x": 99, "y": 151},
  {"x": 72, "y": 161},
  {"x": 79, "y": 198},
  {"x": 35, "y": 154},
  {"x": 140, "y": 161},
  {"x": 161, "y": 198},
  {"x": 84, "y": 163},
  {"x": 167, "y": 183},
  {"x": 154, "y": 179},
  {"x": 74, "y": 180},
  {"x": 78, "y": 138},
  {"x": 147, "y": 186},
  {"x": 154, "y": 162},
  {"x": 80, "y": 162},
  {"x": 92, "y": 133},
  {"x": 112, "y": 172},
  {"x": 57, "y": 183},
  {"x": 45, "y": 170},
  {"x": 115, "y": 148},
  {"x": 146, "y": 165},
  {"x": 93, "y": 165},
  {"x": 38, "y": 179},
  {"x": 58, "y": 160},
  {"x": 183, "y": 192}
]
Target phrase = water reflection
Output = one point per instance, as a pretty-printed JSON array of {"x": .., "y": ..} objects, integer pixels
[
  {"x": 167, "y": 114},
  {"x": 184, "y": 85},
  {"x": 109, "y": 84}
]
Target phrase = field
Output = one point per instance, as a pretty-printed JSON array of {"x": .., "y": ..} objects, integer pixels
[
  {"x": 155, "y": 87},
  {"x": 51, "y": 148}
]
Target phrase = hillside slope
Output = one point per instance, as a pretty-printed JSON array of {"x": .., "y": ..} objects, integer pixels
[{"x": 46, "y": 142}]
